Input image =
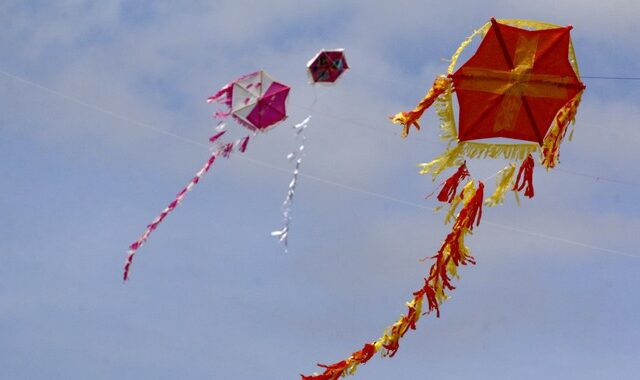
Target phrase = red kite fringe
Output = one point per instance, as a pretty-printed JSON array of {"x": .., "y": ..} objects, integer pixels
[
  {"x": 450, "y": 186},
  {"x": 525, "y": 173},
  {"x": 472, "y": 212}
]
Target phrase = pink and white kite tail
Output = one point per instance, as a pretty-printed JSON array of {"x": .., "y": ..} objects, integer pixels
[
  {"x": 283, "y": 233},
  {"x": 224, "y": 150}
]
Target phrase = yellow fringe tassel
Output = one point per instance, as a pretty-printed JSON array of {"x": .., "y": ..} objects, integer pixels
[
  {"x": 454, "y": 156},
  {"x": 451, "y": 157},
  {"x": 503, "y": 184}
]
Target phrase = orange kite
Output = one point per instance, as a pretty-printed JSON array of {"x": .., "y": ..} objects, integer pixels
[{"x": 516, "y": 96}]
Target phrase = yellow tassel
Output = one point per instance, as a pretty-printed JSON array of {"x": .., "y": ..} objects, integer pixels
[
  {"x": 506, "y": 151},
  {"x": 467, "y": 192},
  {"x": 444, "y": 110},
  {"x": 503, "y": 184},
  {"x": 454, "y": 156},
  {"x": 451, "y": 157},
  {"x": 515, "y": 193}
]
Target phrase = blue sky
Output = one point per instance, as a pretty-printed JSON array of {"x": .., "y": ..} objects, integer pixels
[{"x": 86, "y": 165}]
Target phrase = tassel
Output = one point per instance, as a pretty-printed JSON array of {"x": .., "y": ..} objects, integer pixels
[
  {"x": 216, "y": 136},
  {"x": 525, "y": 173},
  {"x": 407, "y": 119},
  {"x": 465, "y": 196},
  {"x": 472, "y": 211},
  {"x": 451, "y": 157},
  {"x": 502, "y": 185},
  {"x": 551, "y": 143},
  {"x": 450, "y": 186},
  {"x": 243, "y": 144},
  {"x": 345, "y": 367},
  {"x": 226, "y": 150}
]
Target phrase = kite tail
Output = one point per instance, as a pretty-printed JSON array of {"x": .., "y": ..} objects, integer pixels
[
  {"x": 224, "y": 151},
  {"x": 283, "y": 233},
  {"x": 451, "y": 255},
  {"x": 525, "y": 178},
  {"x": 172, "y": 206},
  {"x": 407, "y": 119}
]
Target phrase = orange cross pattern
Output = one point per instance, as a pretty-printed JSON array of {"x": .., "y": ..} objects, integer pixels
[{"x": 515, "y": 83}]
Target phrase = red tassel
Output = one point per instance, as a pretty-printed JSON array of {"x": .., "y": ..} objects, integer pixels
[
  {"x": 431, "y": 298},
  {"x": 525, "y": 173},
  {"x": 226, "y": 151},
  {"x": 472, "y": 212},
  {"x": 216, "y": 136},
  {"x": 364, "y": 354},
  {"x": 450, "y": 186},
  {"x": 243, "y": 144}
]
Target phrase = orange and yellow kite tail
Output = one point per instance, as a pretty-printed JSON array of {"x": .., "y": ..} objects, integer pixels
[
  {"x": 407, "y": 119},
  {"x": 452, "y": 254}
]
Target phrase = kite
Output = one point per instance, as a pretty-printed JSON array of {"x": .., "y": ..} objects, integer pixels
[
  {"x": 516, "y": 95},
  {"x": 255, "y": 101},
  {"x": 325, "y": 68}
]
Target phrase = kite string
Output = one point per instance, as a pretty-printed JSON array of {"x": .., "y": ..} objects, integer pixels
[
  {"x": 312, "y": 177},
  {"x": 197, "y": 143},
  {"x": 609, "y": 78}
]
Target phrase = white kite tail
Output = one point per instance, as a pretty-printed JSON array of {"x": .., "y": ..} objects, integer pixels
[
  {"x": 223, "y": 150},
  {"x": 283, "y": 233}
]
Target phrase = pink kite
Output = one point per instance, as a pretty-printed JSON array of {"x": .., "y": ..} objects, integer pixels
[{"x": 255, "y": 101}]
